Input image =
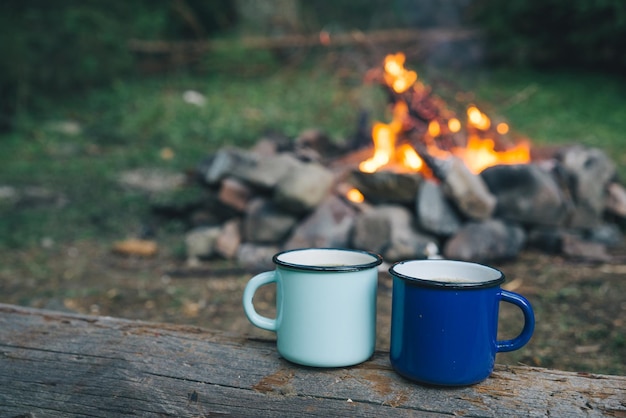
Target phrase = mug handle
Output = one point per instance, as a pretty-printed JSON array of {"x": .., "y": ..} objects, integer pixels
[
  {"x": 257, "y": 281},
  {"x": 529, "y": 322}
]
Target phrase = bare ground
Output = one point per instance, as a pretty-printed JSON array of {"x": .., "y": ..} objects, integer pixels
[{"x": 580, "y": 308}]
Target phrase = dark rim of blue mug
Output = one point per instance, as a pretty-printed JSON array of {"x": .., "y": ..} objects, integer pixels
[
  {"x": 353, "y": 267},
  {"x": 449, "y": 285}
]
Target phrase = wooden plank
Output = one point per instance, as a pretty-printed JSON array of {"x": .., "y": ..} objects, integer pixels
[{"x": 57, "y": 364}]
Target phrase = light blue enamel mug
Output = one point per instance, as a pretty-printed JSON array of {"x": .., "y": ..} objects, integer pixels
[{"x": 325, "y": 305}]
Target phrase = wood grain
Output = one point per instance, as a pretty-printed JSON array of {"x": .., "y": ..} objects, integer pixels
[{"x": 56, "y": 364}]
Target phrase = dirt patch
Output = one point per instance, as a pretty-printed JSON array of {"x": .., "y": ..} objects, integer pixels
[{"x": 580, "y": 308}]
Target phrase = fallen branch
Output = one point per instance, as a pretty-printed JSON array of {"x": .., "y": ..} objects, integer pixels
[{"x": 297, "y": 40}]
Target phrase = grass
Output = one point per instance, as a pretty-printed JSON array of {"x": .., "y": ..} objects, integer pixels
[
  {"x": 58, "y": 255},
  {"x": 561, "y": 107},
  {"x": 128, "y": 125}
]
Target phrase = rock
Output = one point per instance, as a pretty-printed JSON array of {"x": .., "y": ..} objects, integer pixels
[
  {"x": 467, "y": 190},
  {"x": 573, "y": 242},
  {"x": 616, "y": 200},
  {"x": 485, "y": 241},
  {"x": 606, "y": 234},
  {"x": 31, "y": 196},
  {"x": 587, "y": 172},
  {"x": 256, "y": 258},
  {"x": 225, "y": 162},
  {"x": 434, "y": 212},
  {"x": 387, "y": 186},
  {"x": 266, "y": 173},
  {"x": 8, "y": 195},
  {"x": 200, "y": 242},
  {"x": 372, "y": 231},
  {"x": 526, "y": 194},
  {"x": 329, "y": 225},
  {"x": 151, "y": 180},
  {"x": 194, "y": 97},
  {"x": 234, "y": 193},
  {"x": 547, "y": 239},
  {"x": 212, "y": 211},
  {"x": 265, "y": 148},
  {"x": 66, "y": 127},
  {"x": 388, "y": 230},
  {"x": 272, "y": 143},
  {"x": 229, "y": 239},
  {"x": 179, "y": 202},
  {"x": 199, "y": 206},
  {"x": 265, "y": 222},
  {"x": 579, "y": 249},
  {"x": 304, "y": 188}
]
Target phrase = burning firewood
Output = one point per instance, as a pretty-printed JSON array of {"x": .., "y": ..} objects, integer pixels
[{"x": 424, "y": 129}]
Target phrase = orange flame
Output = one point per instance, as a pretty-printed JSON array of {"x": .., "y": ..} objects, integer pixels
[
  {"x": 384, "y": 143},
  {"x": 384, "y": 137},
  {"x": 454, "y": 125},
  {"x": 477, "y": 119},
  {"x": 478, "y": 154},
  {"x": 396, "y": 76},
  {"x": 433, "y": 128},
  {"x": 410, "y": 158},
  {"x": 502, "y": 128},
  {"x": 354, "y": 195}
]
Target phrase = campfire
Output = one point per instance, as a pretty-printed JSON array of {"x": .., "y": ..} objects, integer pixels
[
  {"x": 421, "y": 118},
  {"x": 434, "y": 181}
]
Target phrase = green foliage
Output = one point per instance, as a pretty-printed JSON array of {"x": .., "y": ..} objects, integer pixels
[
  {"x": 558, "y": 107},
  {"x": 350, "y": 14},
  {"x": 555, "y": 33},
  {"x": 50, "y": 48},
  {"x": 129, "y": 124}
]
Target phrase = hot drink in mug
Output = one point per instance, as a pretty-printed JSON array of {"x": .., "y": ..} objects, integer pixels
[
  {"x": 444, "y": 321},
  {"x": 325, "y": 305}
]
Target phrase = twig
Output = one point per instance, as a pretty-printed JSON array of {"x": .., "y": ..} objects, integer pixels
[{"x": 520, "y": 96}]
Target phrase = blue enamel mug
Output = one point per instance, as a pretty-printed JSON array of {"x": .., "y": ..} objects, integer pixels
[{"x": 444, "y": 321}]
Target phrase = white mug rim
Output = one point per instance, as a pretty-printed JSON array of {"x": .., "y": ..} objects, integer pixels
[
  {"x": 424, "y": 281},
  {"x": 376, "y": 260}
]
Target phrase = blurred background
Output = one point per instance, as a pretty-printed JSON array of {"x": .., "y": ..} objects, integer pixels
[
  {"x": 105, "y": 105},
  {"x": 61, "y": 48}
]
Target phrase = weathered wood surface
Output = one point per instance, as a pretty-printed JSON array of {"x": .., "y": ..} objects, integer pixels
[{"x": 56, "y": 364}]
